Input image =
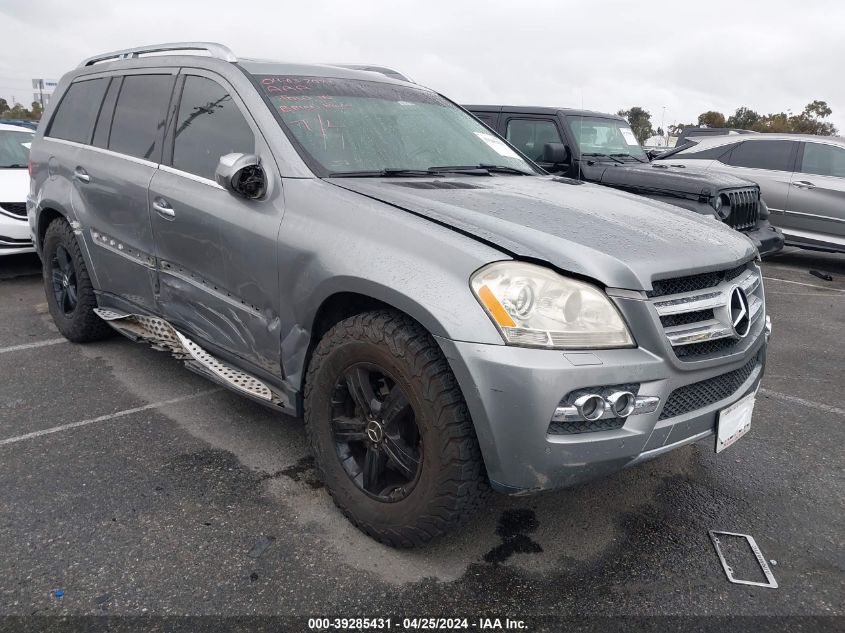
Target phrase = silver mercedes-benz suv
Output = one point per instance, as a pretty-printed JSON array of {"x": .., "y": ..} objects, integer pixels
[{"x": 358, "y": 250}]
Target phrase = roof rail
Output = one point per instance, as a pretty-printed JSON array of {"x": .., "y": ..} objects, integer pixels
[
  {"x": 214, "y": 50},
  {"x": 382, "y": 70}
]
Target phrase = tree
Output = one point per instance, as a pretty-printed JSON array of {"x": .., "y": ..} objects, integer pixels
[
  {"x": 640, "y": 122},
  {"x": 743, "y": 119},
  {"x": 4, "y": 106},
  {"x": 711, "y": 118}
]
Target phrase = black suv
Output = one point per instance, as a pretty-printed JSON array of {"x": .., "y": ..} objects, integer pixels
[{"x": 602, "y": 148}]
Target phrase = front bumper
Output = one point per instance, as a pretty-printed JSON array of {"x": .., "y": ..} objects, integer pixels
[
  {"x": 766, "y": 238},
  {"x": 14, "y": 235},
  {"x": 512, "y": 393}
]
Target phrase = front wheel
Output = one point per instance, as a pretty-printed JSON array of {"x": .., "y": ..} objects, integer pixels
[
  {"x": 390, "y": 430},
  {"x": 70, "y": 295}
]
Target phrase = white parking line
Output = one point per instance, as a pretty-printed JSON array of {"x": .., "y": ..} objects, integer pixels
[
  {"x": 15, "y": 348},
  {"x": 807, "y": 403},
  {"x": 801, "y": 283},
  {"x": 104, "y": 418}
]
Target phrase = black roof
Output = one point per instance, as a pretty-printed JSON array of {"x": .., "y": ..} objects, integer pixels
[{"x": 540, "y": 110}]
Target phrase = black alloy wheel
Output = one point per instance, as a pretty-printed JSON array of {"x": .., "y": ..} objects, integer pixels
[
  {"x": 375, "y": 432},
  {"x": 63, "y": 275}
]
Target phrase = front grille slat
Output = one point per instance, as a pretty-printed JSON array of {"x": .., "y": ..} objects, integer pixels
[
  {"x": 18, "y": 209},
  {"x": 694, "y": 310},
  {"x": 702, "y": 394},
  {"x": 745, "y": 209}
]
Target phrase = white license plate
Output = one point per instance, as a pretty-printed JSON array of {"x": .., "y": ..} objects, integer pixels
[{"x": 734, "y": 422}]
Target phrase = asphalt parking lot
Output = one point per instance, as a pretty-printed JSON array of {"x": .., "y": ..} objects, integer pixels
[{"x": 136, "y": 487}]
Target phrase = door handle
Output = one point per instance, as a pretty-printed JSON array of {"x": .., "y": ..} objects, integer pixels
[
  {"x": 803, "y": 184},
  {"x": 81, "y": 175},
  {"x": 163, "y": 208}
]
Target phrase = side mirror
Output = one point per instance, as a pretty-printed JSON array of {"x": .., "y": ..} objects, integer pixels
[
  {"x": 555, "y": 153},
  {"x": 242, "y": 175},
  {"x": 655, "y": 152}
]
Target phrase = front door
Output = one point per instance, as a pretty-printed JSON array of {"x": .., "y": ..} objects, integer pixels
[
  {"x": 770, "y": 165},
  {"x": 216, "y": 251},
  {"x": 530, "y": 135},
  {"x": 815, "y": 212}
]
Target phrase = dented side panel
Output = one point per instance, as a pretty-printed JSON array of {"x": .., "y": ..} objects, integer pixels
[{"x": 217, "y": 266}]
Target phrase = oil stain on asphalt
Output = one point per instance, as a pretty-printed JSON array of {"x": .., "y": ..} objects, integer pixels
[{"x": 514, "y": 528}]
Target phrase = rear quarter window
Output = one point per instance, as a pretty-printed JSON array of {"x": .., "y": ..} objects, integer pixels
[{"x": 77, "y": 111}]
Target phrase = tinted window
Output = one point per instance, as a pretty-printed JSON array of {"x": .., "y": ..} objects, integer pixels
[
  {"x": 714, "y": 153},
  {"x": 209, "y": 126},
  {"x": 75, "y": 116},
  {"x": 775, "y": 155},
  {"x": 825, "y": 160},
  {"x": 103, "y": 127},
  {"x": 139, "y": 116},
  {"x": 530, "y": 136}
]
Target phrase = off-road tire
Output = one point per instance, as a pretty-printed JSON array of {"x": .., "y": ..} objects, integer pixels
[
  {"x": 452, "y": 482},
  {"x": 81, "y": 325}
]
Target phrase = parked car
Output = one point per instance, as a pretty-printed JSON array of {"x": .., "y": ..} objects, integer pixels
[
  {"x": 602, "y": 148},
  {"x": 359, "y": 250},
  {"x": 802, "y": 178},
  {"x": 14, "y": 185},
  {"x": 694, "y": 132}
]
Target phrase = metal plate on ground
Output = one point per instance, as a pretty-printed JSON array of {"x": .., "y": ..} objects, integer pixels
[
  {"x": 734, "y": 422},
  {"x": 729, "y": 572}
]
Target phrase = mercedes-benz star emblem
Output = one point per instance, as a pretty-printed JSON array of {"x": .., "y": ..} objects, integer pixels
[
  {"x": 740, "y": 316},
  {"x": 374, "y": 432}
]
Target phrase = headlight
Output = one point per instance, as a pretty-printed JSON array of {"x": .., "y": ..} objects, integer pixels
[
  {"x": 722, "y": 205},
  {"x": 536, "y": 307}
]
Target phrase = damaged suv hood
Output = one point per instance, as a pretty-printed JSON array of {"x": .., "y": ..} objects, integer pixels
[
  {"x": 619, "y": 239},
  {"x": 663, "y": 177}
]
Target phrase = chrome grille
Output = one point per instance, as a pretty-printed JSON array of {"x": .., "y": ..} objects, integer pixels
[
  {"x": 694, "y": 311},
  {"x": 744, "y": 209},
  {"x": 17, "y": 209},
  {"x": 706, "y": 392}
]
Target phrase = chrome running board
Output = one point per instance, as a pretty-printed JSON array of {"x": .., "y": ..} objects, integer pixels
[{"x": 163, "y": 336}]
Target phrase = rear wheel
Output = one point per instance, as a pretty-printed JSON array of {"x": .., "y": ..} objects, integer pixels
[
  {"x": 390, "y": 430},
  {"x": 70, "y": 295}
]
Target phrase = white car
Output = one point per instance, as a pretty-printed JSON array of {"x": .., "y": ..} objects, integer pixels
[{"x": 14, "y": 185}]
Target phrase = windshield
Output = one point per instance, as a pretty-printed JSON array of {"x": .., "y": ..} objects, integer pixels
[
  {"x": 343, "y": 125},
  {"x": 14, "y": 149},
  {"x": 596, "y": 135}
]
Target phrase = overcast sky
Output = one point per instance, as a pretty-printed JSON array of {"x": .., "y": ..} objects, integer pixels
[{"x": 688, "y": 57}]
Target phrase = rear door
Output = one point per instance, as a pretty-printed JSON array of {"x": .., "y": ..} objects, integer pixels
[
  {"x": 770, "y": 165},
  {"x": 217, "y": 252},
  {"x": 112, "y": 173},
  {"x": 815, "y": 212}
]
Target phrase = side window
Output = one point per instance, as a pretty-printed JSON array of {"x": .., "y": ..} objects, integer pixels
[
  {"x": 824, "y": 160},
  {"x": 774, "y": 155},
  {"x": 714, "y": 153},
  {"x": 138, "y": 122},
  {"x": 209, "y": 126},
  {"x": 75, "y": 116},
  {"x": 531, "y": 135},
  {"x": 103, "y": 127}
]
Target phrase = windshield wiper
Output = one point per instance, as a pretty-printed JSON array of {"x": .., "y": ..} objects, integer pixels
[
  {"x": 13, "y": 166},
  {"x": 482, "y": 169},
  {"x": 639, "y": 160},
  {"x": 600, "y": 155},
  {"x": 383, "y": 173}
]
